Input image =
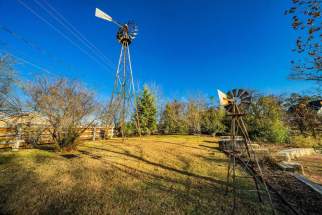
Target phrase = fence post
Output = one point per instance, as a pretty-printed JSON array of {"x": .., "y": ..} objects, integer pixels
[
  {"x": 111, "y": 132},
  {"x": 16, "y": 144},
  {"x": 94, "y": 133}
]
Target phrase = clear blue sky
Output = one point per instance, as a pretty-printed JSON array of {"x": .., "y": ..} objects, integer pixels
[{"x": 183, "y": 46}]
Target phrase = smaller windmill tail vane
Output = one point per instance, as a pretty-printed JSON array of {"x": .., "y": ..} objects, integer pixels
[
  {"x": 239, "y": 148},
  {"x": 223, "y": 99}
]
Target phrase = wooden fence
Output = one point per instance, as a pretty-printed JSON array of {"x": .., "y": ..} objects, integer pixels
[{"x": 9, "y": 137}]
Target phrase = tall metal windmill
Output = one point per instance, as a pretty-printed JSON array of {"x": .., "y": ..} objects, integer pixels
[
  {"x": 236, "y": 102},
  {"x": 123, "y": 98}
]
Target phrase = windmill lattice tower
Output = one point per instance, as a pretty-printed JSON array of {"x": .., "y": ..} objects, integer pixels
[
  {"x": 123, "y": 98},
  {"x": 240, "y": 150}
]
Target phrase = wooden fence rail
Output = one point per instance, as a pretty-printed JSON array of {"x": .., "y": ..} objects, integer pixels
[{"x": 13, "y": 137}]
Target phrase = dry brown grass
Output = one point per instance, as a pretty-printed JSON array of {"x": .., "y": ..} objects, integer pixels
[{"x": 154, "y": 175}]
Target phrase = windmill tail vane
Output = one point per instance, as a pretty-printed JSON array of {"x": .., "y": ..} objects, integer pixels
[{"x": 102, "y": 15}]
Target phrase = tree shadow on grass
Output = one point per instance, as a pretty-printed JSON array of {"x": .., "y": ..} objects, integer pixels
[
  {"x": 70, "y": 156},
  {"x": 213, "y": 159},
  {"x": 178, "y": 144},
  {"x": 92, "y": 155},
  {"x": 186, "y": 173},
  {"x": 6, "y": 159},
  {"x": 46, "y": 147},
  {"x": 200, "y": 193},
  {"x": 208, "y": 141},
  {"x": 183, "y": 191},
  {"x": 13, "y": 189},
  {"x": 216, "y": 148},
  {"x": 25, "y": 191},
  {"x": 137, "y": 173}
]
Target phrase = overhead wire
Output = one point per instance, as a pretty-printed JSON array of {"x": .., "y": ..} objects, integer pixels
[
  {"x": 77, "y": 33},
  {"x": 21, "y": 59},
  {"x": 61, "y": 33},
  {"x": 34, "y": 46},
  {"x": 70, "y": 30}
]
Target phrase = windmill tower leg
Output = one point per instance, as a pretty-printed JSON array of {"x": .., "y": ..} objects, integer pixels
[
  {"x": 115, "y": 102},
  {"x": 244, "y": 155},
  {"x": 132, "y": 88},
  {"x": 260, "y": 173},
  {"x": 233, "y": 151},
  {"x": 123, "y": 97},
  {"x": 123, "y": 94}
]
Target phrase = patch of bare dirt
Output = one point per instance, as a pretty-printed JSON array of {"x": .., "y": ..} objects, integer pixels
[{"x": 300, "y": 196}]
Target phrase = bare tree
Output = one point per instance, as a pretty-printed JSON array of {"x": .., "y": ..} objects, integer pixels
[
  {"x": 303, "y": 114},
  {"x": 9, "y": 104},
  {"x": 109, "y": 114},
  {"x": 68, "y": 107},
  {"x": 306, "y": 15}
]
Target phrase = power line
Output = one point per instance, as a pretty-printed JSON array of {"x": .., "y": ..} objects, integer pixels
[
  {"x": 28, "y": 62},
  {"x": 79, "y": 35},
  {"x": 34, "y": 46},
  {"x": 69, "y": 29},
  {"x": 60, "y": 32}
]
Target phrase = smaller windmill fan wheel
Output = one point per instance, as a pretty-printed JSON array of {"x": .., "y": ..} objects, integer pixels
[{"x": 240, "y": 98}]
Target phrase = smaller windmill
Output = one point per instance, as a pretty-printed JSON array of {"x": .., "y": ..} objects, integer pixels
[
  {"x": 123, "y": 98},
  {"x": 235, "y": 103}
]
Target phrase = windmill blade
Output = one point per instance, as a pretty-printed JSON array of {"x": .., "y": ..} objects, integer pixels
[
  {"x": 246, "y": 94},
  {"x": 242, "y": 92},
  {"x": 229, "y": 108},
  {"x": 100, "y": 14},
  {"x": 246, "y": 102},
  {"x": 249, "y": 98},
  {"x": 235, "y": 92},
  {"x": 240, "y": 98},
  {"x": 230, "y": 95},
  {"x": 133, "y": 28},
  {"x": 239, "y": 92}
]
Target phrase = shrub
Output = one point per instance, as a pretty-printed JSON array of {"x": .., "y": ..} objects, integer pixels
[
  {"x": 212, "y": 121},
  {"x": 265, "y": 120},
  {"x": 278, "y": 133},
  {"x": 306, "y": 141}
]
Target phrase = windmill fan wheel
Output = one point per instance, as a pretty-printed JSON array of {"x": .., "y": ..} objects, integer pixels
[
  {"x": 127, "y": 33},
  {"x": 239, "y": 98}
]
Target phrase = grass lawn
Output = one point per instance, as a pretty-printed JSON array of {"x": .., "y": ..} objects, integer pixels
[{"x": 154, "y": 175}]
